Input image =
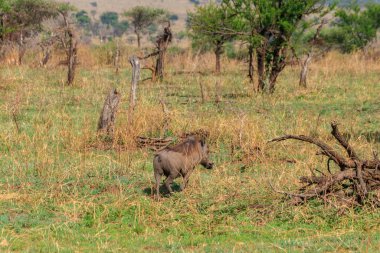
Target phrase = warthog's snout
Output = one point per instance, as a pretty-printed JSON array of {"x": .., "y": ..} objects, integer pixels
[{"x": 209, "y": 165}]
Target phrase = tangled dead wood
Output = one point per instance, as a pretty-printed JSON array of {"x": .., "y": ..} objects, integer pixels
[
  {"x": 357, "y": 181},
  {"x": 157, "y": 144}
]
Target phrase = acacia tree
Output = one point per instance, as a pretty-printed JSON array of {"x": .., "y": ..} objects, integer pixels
[
  {"x": 273, "y": 24},
  {"x": 22, "y": 19},
  {"x": 4, "y": 11},
  {"x": 205, "y": 23},
  {"x": 83, "y": 20},
  {"x": 354, "y": 27},
  {"x": 142, "y": 17},
  {"x": 109, "y": 18}
]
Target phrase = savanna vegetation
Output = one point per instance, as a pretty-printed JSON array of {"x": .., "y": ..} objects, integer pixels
[{"x": 67, "y": 187}]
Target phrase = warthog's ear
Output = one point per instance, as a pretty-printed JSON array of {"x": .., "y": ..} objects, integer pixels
[{"x": 202, "y": 142}]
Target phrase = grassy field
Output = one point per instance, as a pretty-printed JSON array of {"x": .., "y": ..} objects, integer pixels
[{"x": 61, "y": 190}]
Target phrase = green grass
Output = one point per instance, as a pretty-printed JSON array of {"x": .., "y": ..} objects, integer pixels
[{"x": 58, "y": 193}]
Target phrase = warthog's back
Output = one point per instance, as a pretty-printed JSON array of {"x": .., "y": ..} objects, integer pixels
[
  {"x": 180, "y": 160},
  {"x": 170, "y": 161}
]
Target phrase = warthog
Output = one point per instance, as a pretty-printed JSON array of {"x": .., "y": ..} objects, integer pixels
[{"x": 180, "y": 160}]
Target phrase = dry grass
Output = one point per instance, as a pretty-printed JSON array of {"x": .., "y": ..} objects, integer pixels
[{"x": 60, "y": 190}]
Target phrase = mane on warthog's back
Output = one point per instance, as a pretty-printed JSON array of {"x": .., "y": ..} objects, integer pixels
[{"x": 189, "y": 146}]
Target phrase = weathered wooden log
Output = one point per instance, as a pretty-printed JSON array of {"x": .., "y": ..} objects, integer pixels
[{"x": 107, "y": 117}]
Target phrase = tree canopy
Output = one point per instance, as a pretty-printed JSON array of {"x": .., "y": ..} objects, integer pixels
[
  {"x": 354, "y": 27},
  {"x": 25, "y": 15},
  {"x": 269, "y": 25},
  {"x": 142, "y": 18},
  {"x": 109, "y": 18},
  {"x": 83, "y": 19},
  {"x": 205, "y": 24}
]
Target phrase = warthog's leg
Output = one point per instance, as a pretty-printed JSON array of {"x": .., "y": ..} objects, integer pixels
[
  {"x": 186, "y": 180},
  {"x": 158, "y": 181},
  {"x": 168, "y": 182}
]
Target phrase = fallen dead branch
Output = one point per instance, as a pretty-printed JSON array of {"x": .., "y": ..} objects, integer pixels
[
  {"x": 157, "y": 144},
  {"x": 357, "y": 179}
]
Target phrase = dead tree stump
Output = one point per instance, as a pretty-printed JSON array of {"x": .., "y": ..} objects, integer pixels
[
  {"x": 357, "y": 181},
  {"x": 107, "y": 117},
  {"x": 135, "y": 62},
  {"x": 69, "y": 42},
  {"x": 162, "y": 44},
  {"x": 72, "y": 54}
]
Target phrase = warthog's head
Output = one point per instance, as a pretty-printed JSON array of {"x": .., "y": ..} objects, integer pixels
[{"x": 205, "y": 162}]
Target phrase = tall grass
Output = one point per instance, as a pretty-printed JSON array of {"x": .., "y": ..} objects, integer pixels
[{"x": 61, "y": 189}]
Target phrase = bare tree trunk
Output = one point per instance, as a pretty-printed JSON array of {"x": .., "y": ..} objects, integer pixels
[
  {"x": 306, "y": 63},
  {"x": 218, "y": 53},
  {"x": 278, "y": 64},
  {"x": 162, "y": 44},
  {"x": 2, "y": 16},
  {"x": 305, "y": 70},
  {"x": 261, "y": 69},
  {"x": 108, "y": 115},
  {"x": 138, "y": 39},
  {"x": 250, "y": 65},
  {"x": 135, "y": 79},
  {"x": 72, "y": 57},
  {"x": 21, "y": 48},
  {"x": 71, "y": 47},
  {"x": 159, "y": 71},
  {"x": 272, "y": 80}
]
